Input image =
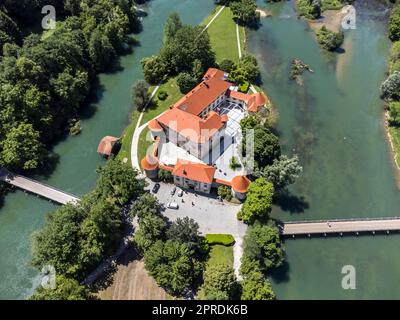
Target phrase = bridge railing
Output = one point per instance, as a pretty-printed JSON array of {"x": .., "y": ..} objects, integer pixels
[
  {"x": 342, "y": 220},
  {"x": 10, "y": 175}
]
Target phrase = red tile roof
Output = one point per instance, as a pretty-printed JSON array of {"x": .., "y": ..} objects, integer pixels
[
  {"x": 106, "y": 145},
  {"x": 240, "y": 184},
  {"x": 194, "y": 171},
  {"x": 154, "y": 125},
  {"x": 253, "y": 101},
  {"x": 212, "y": 86},
  {"x": 190, "y": 126}
]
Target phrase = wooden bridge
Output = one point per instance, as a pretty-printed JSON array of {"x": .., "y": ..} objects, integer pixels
[
  {"x": 340, "y": 227},
  {"x": 37, "y": 188}
]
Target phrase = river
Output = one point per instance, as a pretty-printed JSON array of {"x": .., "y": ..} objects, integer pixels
[
  {"x": 21, "y": 213},
  {"x": 335, "y": 124}
]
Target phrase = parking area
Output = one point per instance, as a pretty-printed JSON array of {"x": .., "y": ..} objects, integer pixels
[{"x": 212, "y": 215}]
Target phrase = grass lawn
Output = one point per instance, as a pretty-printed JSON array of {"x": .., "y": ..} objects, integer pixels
[
  {"x": 395, "y": 133},
  {"x": 143, "y": 144},
  {"x": 223, "y": 36},
  {"x": 151, "y": 112},
  {"x": 125, "y": 151},
  {"x": 218, "y": 254},
  {"x": 158, "y": 106}
]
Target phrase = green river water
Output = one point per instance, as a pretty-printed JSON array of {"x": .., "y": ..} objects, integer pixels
[
  {"x": 75, "y": 173},
  {"x": 334, "y": 122}
]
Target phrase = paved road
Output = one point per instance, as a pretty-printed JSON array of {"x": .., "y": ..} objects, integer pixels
[{"x": 211, "y": 215}]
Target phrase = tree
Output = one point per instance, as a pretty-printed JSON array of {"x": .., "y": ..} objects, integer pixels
[
  {"x": 165, "y": 175},
  {"x": 172, "y": 264},
  {"x": 283, "y": 172},
  {"x": 227, "y": 65},
  {"x": 152, "y": 225},
  {"x": 185, "y": 82},
  {"x": 151, "y": 229},
  {"x": 258, "y": 201},
  {"x": 225, "y": 192},
  {"x": 310, "y": 9},
  {"x": 172, "y": 26},
  {"x": 248, "y": 63},
  {"x": 390, "y": 88},
  {"x": 154, "y": 69},
  {"x": 394, "y": 24},
  {"x": 140, "y": 94},
  {"x": 256, "y": 287},
  {"x": 58, "y": 242},
  {"x": 266, "y": 144},
  {"x": 185, "y": 230},
  {"x": 101, "y": 51},
  {"x": 146, "y": 205},
  {"x": 394, "y": 113},
  {"x": 22, "y": 148},
  {"x": 219, "y": 281},
  {"x": 118, "y": 182},
  {"x": 66, "y": 289},
  {"x": 245, "y": 11},
  {"x": 188, "y": 45},
  {"x": 329, "y": 40},
  {"x": 76, "y": 238},
  {"x": 262, "y": 244}
]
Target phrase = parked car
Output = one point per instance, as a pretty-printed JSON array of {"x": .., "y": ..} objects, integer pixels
[
  {"x": 180, "y": 193},
  {"x": 173, "y": 191},
  {"x": 156, "y": 188},
  {"x": 172, "y": 205}
]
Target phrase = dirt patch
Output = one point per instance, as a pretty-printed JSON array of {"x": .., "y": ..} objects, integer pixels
[
  {"x": 130, "y": 281},
  {"x": 331, "y": 19},
  {"x": 264, "y": 13}
]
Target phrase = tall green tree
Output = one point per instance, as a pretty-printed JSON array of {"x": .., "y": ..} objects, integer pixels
[
  {"x": 140, "y": 94},
  {"x": 256, "y": 287},
  {"x": 22, "y": 148},
  {"x": 245, "y": 11},
  {"x": 172, "y": 26},
  {"x": 283, "y": 172},
  {"x": 219, "y": 281},
  {"x": 262, "y": 244},
  {"x": 172, "y": 264},
  {"x": 66, "y": 289},
  {"x": 258, "y": 201}
]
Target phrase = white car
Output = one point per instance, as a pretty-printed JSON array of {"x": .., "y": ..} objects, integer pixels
[
  {"x": 172, "y": 205},
  {"x": 180, "y": 193}
]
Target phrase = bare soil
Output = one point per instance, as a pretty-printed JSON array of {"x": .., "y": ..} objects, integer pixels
[{"x": 130, "y": 281}]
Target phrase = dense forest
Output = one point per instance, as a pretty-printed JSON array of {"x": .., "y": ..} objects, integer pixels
[{"x": 46, "y": 75}]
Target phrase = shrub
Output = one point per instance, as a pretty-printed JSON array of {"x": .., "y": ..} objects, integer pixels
[
  {"x": 234, "y": 163},
  {"x": 162, "y": 95},
  {"x": 225, "y": 193},
  {"x": 227, "y": 65},
  {"x": 390, "y": 88},
  {"x": 165, "y": 175},
  {"x": 394, "y": 24},
  {"x": 329, "y": 40},
  {"x": 222, "y": 239},
  {"x": 394, "y": 113},
  {"x": 185, "y": 82}
]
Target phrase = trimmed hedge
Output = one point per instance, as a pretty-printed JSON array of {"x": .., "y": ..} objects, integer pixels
[{"x": 222, "y": 239}]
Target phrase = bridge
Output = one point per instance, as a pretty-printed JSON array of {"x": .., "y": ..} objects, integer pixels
[
  {"x": 37, "y": 188},
  {"x": 340, "y": 227}
]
